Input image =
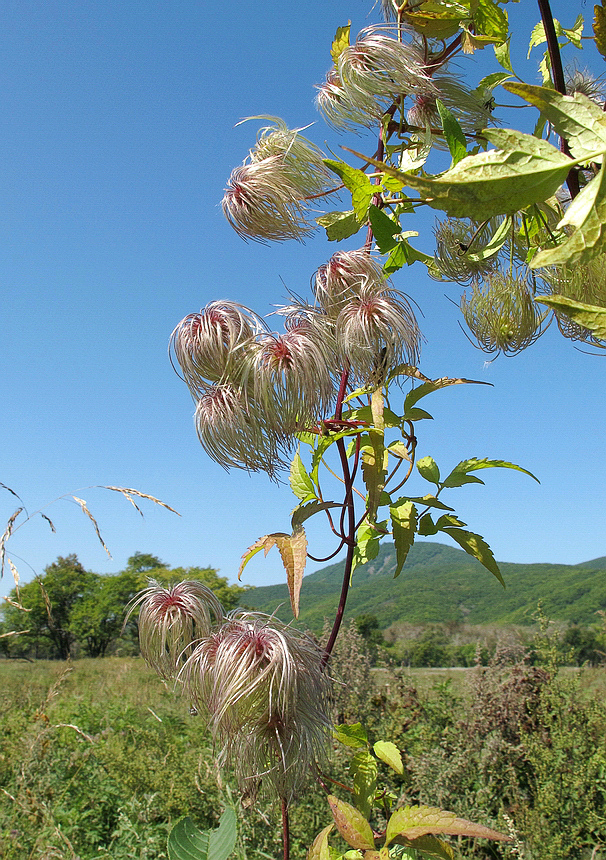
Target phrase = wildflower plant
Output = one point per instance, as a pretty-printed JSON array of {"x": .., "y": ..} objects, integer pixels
[{"x": 338, "y": 393}]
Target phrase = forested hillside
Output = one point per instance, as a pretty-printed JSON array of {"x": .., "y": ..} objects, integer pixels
[{"x": 440, "y": 583}]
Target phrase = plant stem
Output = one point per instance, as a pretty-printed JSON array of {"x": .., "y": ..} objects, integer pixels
[
  {"x": 557, "y": 74},
  {"x": 285, "y": 830}
]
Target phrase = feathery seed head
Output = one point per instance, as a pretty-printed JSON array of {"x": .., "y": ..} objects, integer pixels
[
  {"x": 264, "y": 198},
  {"x": 472, "y": 113},
  {"x": 343, "y": 110},
  {"x": 584, "y": 82},
  {"x": 170, "y": 619},
  {"x": 235, "y": 431},
  {"x": 583, "y": 283},
  {"x": 502, "y": 315},
  {"x": 340, "y": 280},
  {"x": 210, "y": 346},
  {"x": 376, "y": 331},
  {"x": 457, "y": 246},
  {"x": 265, "y": 696}
]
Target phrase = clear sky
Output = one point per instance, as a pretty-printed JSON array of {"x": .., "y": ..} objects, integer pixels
[{"x": 117, "y": 139}]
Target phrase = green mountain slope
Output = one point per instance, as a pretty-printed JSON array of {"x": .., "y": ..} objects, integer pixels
[{"x": 440, "y": 583}]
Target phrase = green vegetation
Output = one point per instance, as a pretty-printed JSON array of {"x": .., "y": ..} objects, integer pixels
[
  {"x": 69, "y": 611},
  {"x": 572, "y": 593},
  {"x": 512, "y": 745}
]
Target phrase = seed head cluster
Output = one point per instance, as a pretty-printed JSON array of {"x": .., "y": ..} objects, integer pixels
[
  {"x": 257, "y": 682},
  {"x": 255, "y": 390}
]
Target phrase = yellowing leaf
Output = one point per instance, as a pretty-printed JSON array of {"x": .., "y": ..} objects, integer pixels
[
  {"x": 587, "y": 216},
  {"x": 263, "y": 543},
  {"x": 599, "y": 29},
  {"x": 293, "y": 551},
  {"x": 591, "y": 317},
  {"x": 576, "y": 118},
  {"x": 340, "y": 42},
  {"x": 415, "y": 821},
  {"x": 390, "y": 754},
  {"x": 522, "y": 171},
  {"x": 319, "y": 847},
  {"x": 351, "y": 824}
]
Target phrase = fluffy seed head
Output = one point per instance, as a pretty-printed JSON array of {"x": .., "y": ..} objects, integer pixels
[
  {"x": 584, "y": 82},
  {"x": 170, "y": 619},
  {"x": 265, "y": 696},
  {"x": 502, "y": 315},
  {"x": 340, "y": 280},
  {"x": 210, "y": 346},
  {"x": 264, "y": 198},
  {"x": 583, "y": 283},
  {"x": 472, "y": 112},
  {"x": 376, "y": 331},
  {"x": 457, "y": 244},
  {"x": 235, "y": 431}
]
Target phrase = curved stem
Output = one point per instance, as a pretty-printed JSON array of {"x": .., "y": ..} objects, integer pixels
[{"x": 557, "y": 74}]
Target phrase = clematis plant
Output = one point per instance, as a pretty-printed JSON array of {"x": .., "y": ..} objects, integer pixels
[{"x": 336, "y": 395}]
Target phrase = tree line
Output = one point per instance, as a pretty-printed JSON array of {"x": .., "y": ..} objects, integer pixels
[{"x": 69, "y": 611}]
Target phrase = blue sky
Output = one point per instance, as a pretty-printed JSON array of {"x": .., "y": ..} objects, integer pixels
[{"x": 117, "y": 139}]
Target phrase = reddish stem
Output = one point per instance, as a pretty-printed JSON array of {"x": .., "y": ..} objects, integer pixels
[{"x": 285, "y": 830}]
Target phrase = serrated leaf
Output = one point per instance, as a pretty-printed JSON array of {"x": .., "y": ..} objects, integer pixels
[
  {"x": 353, "y": 735},
  {"x": 363, "y": 769},
  {"x": 397, "y": 258},
  {"x": 576, "y": 118},
  {"x": 449, "y": 520},
  {"x": 455, "y": 138},
  {"x": 428, "y": 387},
  {"x": 426, "y": 526},
  {"x": 263, "y": 543},
  {"x": 187, "y": 842},
  {"x": 390, "y": 754},
  {"x": 462, "y": 469},
  {"x": 522, "y": 171},
  {"x": 383, "y": 228},
  {"x": 304, "y": 512},
  {"x": 591, "y": 317},
  {"x": 490, "y": 20},
  {"x": 367, "y": 542},
  {"x": 404, "y": 525},
  {"x": 436, "y": 24},
  {"x": 319, "y": 847},
  {"x": 340, "y": 42},
  {"x": 351, "y": 824},
  {"x": 339, "y": 225},
  {"x": 428, "y": 469},
  {"x": 587, "y": 216},
  {"x": 300, "y": 482},
  {"x": 599, "y": 29},
  {"x": 501, "y": 52},
  {"x": 356, "y": 181},
  {"x": 476, "y": 546},
  {"x": 413, "y": 822},
  {"x": 293, "y": 552},
  {"x": 430, "y": 501}
]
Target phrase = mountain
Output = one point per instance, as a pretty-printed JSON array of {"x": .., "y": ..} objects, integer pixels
[{"x": 440, "y": 583}]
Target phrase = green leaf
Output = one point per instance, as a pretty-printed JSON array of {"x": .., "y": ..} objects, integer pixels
[
  {"x": 383, "y": 228},
  {"x": 427, "y": 526},
  {"x": 474, "y": 464},
  {"x": 476, "y": 546},
  {"x": 353, "y": 735},
  {"x": 356, "y": 181},
  {"x": 576, "y": 118},
  {"x": 599, "y": 29},
  {"x": 374, "y": 457},
  {"x": 319, "y": 849},
  {"x": 430, "y": 501},
  {"x": 403, "y": 524},
  {"x": 455, "y": 138},
  {"x": 484, "y": 89},
  {"x": 303, "y": 512},
  {"x": 429, "y": 21},
  {"x": 522, "y": 171},
  {"x": 367, "y": 542},
  {"x": 300, "y": 482},
  {"x": 428, "y": 847},
  {"x": 363, "y": 769},
  {"x": 339, "y": 225},
  {"x": 449, "y": 520},
  {"x": 398, "y": 257},
  {"x": 428, "y": 469},
  {"x": 494, "y": 245},
  {"x": 187, "y": 842},
  {"x": 501, "y": 52},
  {"x": 587, "y": 216},
  {"x": 340, "y": 42},
  {"x": 390, "y": 754},
  {"x": 351, "y": 824},
  {"x": 591, "y": 317},
  {"x": 490, "y": 20},
  {"x": 415, "y": 821},
  {"x": 428, "y": 387},
  {"x": 417, "y": 414}
]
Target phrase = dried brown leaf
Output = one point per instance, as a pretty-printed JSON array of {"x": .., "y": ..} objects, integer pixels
[
  {"x": 7, "y": 533},
  {"x": 86, "y": 511},
  {"x": 128, "y": 491},
  {"x": 49, "y": 521}
]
